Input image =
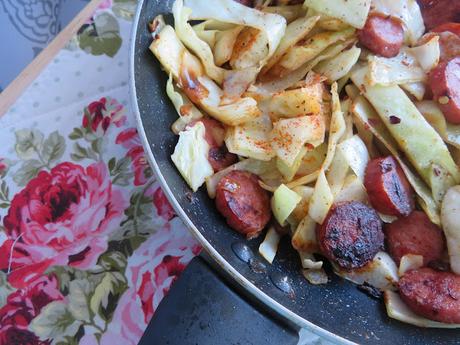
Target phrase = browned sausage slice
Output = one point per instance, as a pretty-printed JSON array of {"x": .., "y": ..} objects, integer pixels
[
  {"x": 432, "y": 294},
  {"x": 351, "y": 234},
  {"x": 243, "y": 203},
  {"x": 382, "y": 35},
  {"x": 417, "y": 235},
  {"x": 389, "y": 191},
  {"x": 437, "y": 12},
  {"x": 218, "y": 157},
  {"x": 444, "y": 80}
]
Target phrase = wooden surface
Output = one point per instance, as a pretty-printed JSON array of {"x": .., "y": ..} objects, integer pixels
[{"x": 31, "y": 72}]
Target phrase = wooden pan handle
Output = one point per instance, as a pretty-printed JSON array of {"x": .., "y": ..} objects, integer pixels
[{"x": 31, "y": 72}]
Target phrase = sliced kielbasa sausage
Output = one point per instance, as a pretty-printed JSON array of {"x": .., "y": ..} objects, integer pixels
[
  {"x": 432, "y": 294},
  {"x": 244, "y": 204},
  {"x": 218, "y": 156},
  {"x": 351, "y": 235},
  {"x": 448, "y": 27},
  {"x": 382, "y": 35},
  {"x": 417, "y": 235},
  {"x": 437, "y": 12},
  {"x": 444, "y": 80},
  {"x": 388, "y": 189}
]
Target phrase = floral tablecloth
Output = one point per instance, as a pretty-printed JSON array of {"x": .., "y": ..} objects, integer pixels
[{"x": 89, "y": 243}]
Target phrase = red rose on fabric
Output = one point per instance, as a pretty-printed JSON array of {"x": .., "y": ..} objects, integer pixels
[
  {"x": 22, "y": 307},
  {"x": 162, "y": 205},
  {"x": 3, "y": 167},
  {"x": 100, "y": 114},
  {"x": 130, "y": 140},
  {"x": 62, "y": 217}
]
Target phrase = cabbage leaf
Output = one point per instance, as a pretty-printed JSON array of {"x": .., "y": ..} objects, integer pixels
[
  {"x": 353, "y": 12},
  {"x": 191, "y": 156},
  {"x": 229, "y": 11}
]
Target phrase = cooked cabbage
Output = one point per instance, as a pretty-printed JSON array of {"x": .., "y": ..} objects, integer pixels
[
  {"x": 381, "y": 273},
  {"x": 168, "y": 49},
  {"x": 308, "y": 261},
  {"x": 337, "y": 172},
  {"x": 316, "y": 276},
  {"x": 304, "y": 238},
  {"x": 415, "y": 89},
  {"x": 367, "y": 116},
  {"x": 289, "y": 171},
  {"x": 191, "y": 40},
  {"x": 353, "y": 12},
  {"x": 301, "y": 210},
  {"x": 321, "y": 200},
  {"x": 297, "y": 102},
  {"x": 290, "y": 135},
  {"x": 290, "y": 13},
  {"x": 401, "y": 69},
  {"x": 250, "y": 48},
  {"x": 313, "y": 160},
  {"x": 209, "y": 36},
  {"x": 421, "y": 143},
  {"x": 229, "y": 11},
  {"x": 252, "y": 139},
  {"x": 449, "y": 132},
  {"x": 283, "y": 202},
  {"x": 292, "y": 77},
  {"x": 300, "y": 54},
  {"x": 269, "y": 246},
  {"x": 427, "y": 54},
  {"x": 186, "y": 110},
  {"x": 450, "y": 216},
  {"x": 204, "y": 92},
  {"x": 295, "y": 31},
  {"x": 410, "y": 262},
  {"x": 225, "y": 41},
  {"x": 355, "y": 153},
  {"x": 338, "y": 66},
  {"x": 352, "y": 190},
  {"x": 398, "y": 310},
  {"x": 191, "y": 156},
  {"x": 265, "y": 170}
]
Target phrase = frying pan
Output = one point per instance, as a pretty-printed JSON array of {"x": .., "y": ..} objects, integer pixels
[{"x": 338, "y": 311}]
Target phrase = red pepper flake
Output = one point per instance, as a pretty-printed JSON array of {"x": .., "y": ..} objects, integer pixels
[
  {"x": 436, "y": 171},
  {"x": 394, "y": 120}
]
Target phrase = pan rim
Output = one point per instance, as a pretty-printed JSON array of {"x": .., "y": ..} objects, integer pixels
[{"x": 238, "y": 277}]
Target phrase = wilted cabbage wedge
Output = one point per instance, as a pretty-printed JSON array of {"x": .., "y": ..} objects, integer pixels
[
  {"x": 252, "y": 139},
  {"x": 290, "y": 135}
]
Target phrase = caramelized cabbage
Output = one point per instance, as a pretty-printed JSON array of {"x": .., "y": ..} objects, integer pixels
[{"x": 353, "y": 12}]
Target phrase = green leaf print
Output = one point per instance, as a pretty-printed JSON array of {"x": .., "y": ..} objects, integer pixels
[
  {"x": 53, "y": 148},
  {"x": 5, "y": 288},
  {"x": 54, "y": 322},
  {"x": 112, "y": 285},
  {"x": 102, "y": 36},
  {"x": 120, "y": 171},
  {"x": 80, "y": 292},
  {"x": 29, "y": 142},
  {"x": 28, "y": 170},
  {"x": 113, "y": 261}
]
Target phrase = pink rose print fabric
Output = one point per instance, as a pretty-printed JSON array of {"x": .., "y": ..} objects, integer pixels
[
  {"x": 89, "y": 244},
  {"x": 62, "y": 217}
]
